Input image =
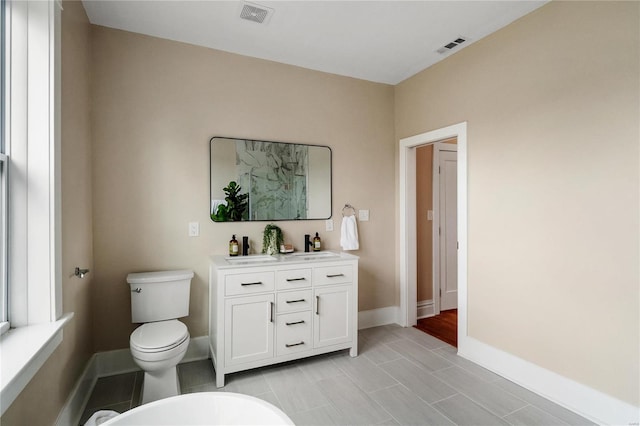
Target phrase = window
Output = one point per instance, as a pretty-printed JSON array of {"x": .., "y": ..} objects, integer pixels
[{"x": 30, "y": 192}]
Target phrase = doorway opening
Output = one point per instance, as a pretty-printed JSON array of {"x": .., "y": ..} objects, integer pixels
[
  {"x": 436, "y": 239},
  {"x": 408, "y": 220}
]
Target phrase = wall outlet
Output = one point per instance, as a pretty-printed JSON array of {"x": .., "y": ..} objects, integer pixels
[
  {"x": 429, "y": 214},
  {"x": 328, "y": 225},
  {"x": 363, "y": 215},
  {"x": 194, "y": 229}
]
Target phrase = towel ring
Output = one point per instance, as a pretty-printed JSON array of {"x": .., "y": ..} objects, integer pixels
[{"x": 346, "y": 207}]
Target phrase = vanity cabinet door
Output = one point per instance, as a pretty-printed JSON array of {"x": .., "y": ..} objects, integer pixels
[
  {"x": 332, "y": 315},
  {"x": 249, "y": 325}
]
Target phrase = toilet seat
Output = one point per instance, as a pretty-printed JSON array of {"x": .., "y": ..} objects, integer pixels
[{"x": 161, "y": 336}]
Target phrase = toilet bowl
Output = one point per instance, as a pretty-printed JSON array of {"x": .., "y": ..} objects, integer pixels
[
  {"x": 160, "y": 343},
  {"x": 157, "y": 348}
]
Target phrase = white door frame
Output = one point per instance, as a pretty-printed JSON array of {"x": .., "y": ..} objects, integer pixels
[
  {"x": 437, "y": 148},
  {"x": 408, "y": 258}
]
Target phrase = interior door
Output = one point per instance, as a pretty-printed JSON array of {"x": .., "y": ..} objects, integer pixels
[{"x": 448, "y": 230}]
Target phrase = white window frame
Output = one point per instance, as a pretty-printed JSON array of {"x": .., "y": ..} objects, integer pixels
[
  {"x": 34, "y": 215},
  {"x": 4, "y": 297}
]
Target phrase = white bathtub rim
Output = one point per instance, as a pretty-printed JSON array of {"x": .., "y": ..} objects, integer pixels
[{"x": 138, "y": 414}]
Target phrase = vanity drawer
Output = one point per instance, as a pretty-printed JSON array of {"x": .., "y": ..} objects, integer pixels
[
  {"x": 254, "y": 282},
  {"x": 293, "y": 333},
  {"x": 293, "y": 278},
  {"x": 290, "y": 301},
  {"x": 332, "y": 275}
]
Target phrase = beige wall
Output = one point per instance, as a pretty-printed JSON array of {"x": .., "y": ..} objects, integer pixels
[
  {"x": 156, "y": 104},
  {"x": 552, "y": 105},
  {"x": 43, "y": 398}
]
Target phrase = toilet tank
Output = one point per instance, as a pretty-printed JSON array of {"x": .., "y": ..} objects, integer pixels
[{"x": 159, "y": 296}]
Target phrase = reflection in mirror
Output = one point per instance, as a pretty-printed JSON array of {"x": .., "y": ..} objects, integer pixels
[{"x": 284, "y": 181}]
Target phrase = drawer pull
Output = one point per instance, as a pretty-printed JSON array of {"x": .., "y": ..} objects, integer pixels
[
  {"x": 317, "y": 305},
  {"x": 335, "y": 275},
  {"x": 272, "y": 304},
  {"x": 295, "y": 322},
  {"x": 296, "y": 301},
  {"x": 256, "y": 283},
  {"x": 295, "y": 279},
  {"x": 289, "y": 345}
]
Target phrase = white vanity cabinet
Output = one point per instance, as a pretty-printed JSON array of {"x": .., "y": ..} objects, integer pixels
[{"x": 266, "y": 310}]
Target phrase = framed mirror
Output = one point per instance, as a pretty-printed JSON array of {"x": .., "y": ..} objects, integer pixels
[{"x": 276, "y": 180}]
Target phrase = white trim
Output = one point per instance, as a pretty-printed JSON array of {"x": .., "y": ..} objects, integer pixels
[
  {"x": 408, "y": 290},
  {"x": 588, "y": 402},
  {"x": 425, "y": 309},
  {"x": 73, "y": 408},
  {"x": 376, "y": 317},
  {"x": 34, "y": 246},
  {"x": 120, "y": 361},
  {"x": 24, "y": 350}
]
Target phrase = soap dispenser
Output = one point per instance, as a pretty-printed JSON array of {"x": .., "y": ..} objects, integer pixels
[
  {"x": 233, "y": 246},
  {"x": 317, "y": 243}
]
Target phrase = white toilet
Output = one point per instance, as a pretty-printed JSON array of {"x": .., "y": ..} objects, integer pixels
[{"x": 159, "y": 344}]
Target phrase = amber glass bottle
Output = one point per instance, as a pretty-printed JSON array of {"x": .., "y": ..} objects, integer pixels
[
  {"x": 317, "y": 243},
  {"x": 233, "y": 246}
]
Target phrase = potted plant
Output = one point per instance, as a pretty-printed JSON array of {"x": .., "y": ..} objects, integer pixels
[
  {"x": 237, "y": 204},
  {"x": 272, "y": 239}
]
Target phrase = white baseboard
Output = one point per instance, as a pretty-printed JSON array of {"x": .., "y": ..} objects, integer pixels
[
  {"x": 425, "y": 309},
  {"x": 376, "y": 317},
  {"x": 198, "y": 349},
  {"x": 110, "y": 363},
  {"x": 588, "y": 402},
  {"x": 74, "y": 406},
  {"x": 120, "y": 361}
]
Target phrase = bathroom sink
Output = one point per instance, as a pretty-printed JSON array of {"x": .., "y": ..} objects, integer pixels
[
  {"x": 316, "y": 254},
  {"x": 257, "y": 258}
]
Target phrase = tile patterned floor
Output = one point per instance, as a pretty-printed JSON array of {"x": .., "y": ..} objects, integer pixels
[{"x": 401, "y": 377}]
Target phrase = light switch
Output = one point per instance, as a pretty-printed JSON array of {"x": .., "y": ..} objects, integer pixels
[
  {"x": 363, "y": 215},
  {"x": 328, "y": 225},
  {"x": 194, "y": 229}
]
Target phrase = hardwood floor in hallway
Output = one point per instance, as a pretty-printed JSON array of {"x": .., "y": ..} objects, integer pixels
[{"x": 443, "y": 326}]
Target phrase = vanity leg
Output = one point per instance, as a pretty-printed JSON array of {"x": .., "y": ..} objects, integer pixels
[
  {"x": 219, "y": 380},
  {"x": 353, "y": 352}
]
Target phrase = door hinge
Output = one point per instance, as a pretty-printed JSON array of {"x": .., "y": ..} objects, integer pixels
[
  {"x": 439, "y": 231},
  {"x": 440, "y": 292},
  {"x": 438, "y": 169}
]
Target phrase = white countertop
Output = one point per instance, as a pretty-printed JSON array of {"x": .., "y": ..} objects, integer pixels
[{"x": 222, "y": 261}]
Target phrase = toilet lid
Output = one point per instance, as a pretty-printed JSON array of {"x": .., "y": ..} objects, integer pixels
[{"x": 159, "y": 336}]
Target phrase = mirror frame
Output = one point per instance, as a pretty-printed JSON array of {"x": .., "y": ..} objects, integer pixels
[{"x": 278, "y": 142}]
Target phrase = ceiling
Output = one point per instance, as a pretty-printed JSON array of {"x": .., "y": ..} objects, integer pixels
[{"x": 380, "y": 41}]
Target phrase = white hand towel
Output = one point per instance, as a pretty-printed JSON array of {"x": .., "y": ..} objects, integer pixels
[{"x": 349, "y": 233}]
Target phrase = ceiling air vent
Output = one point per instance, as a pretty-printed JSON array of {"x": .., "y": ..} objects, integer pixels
[
  {"x": 452, "y": 45},
  {"x": 255, "y": 13}
]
